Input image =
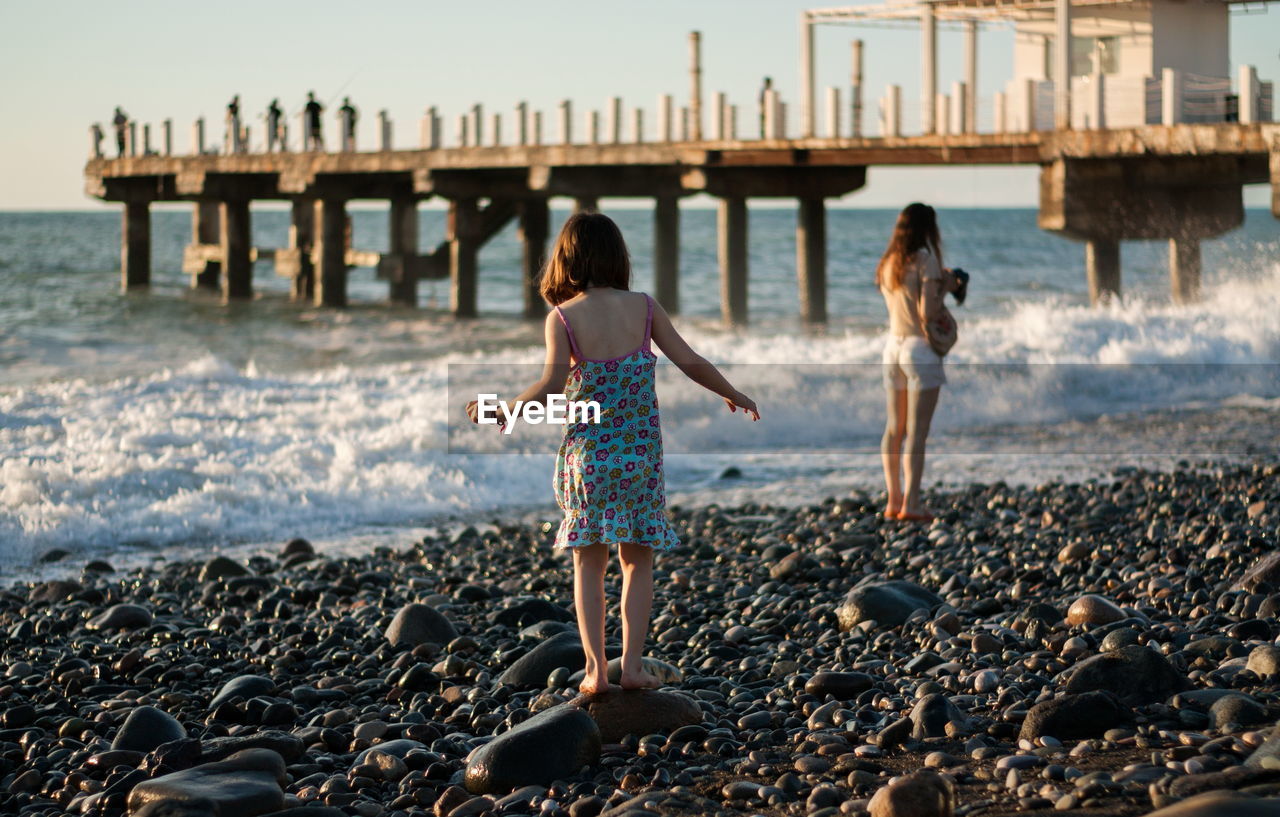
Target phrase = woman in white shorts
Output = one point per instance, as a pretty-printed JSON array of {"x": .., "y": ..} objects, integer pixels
[{"x": 911, "y": 279}]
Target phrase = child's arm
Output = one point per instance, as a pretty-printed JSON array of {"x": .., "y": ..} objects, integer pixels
[
  {"x": 695, "y": 366},
  {"x": 555, "y": 369}
]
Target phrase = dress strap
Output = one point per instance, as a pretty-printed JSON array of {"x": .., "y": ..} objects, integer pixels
[
  {"x": 648, "y": 321},
  {"x": 573, "y": 342}
]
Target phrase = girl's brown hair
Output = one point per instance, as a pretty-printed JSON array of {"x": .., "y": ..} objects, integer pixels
[
  {"x": 590, "y": 252},
  {"x": 917, "y": 229}
]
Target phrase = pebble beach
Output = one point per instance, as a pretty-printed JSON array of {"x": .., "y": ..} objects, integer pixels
[{"x": 1106, "y": 648}]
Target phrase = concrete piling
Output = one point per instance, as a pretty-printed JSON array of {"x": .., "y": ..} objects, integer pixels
[
  {"x": 664, "y": 118},
  {"x": 302, "y": 232},
  {"x": 1102, "y": 269},
  {"x": 463, "y": 233},
  {"x": 206, "y": 231},
  {"x": 534, "y": 230},
  {"x": 928, "y": 68},
  {"x": 237, "y": 246},
  {"x": 537, "y": 127},
  {"x": 731, "y": 223},
  {"x": 855, "y": 90},
  {"x": 1184, "y": 269},
  {"x": 330, "y": 252},
  {"x": 402, "y": 222},
  {"x": 522, "y": 123},
  {"x": 694, "y": 130},
  {"x": 811, "y": 259},
  {"x": 135, "y": 255},
  {"x": 566, "y": 122},
  {"x": 613, "y": 128},
  {"x": 666, "y": 252},
  {"x": 197, "y": 137},
  {"x": 833, "y": 112}
]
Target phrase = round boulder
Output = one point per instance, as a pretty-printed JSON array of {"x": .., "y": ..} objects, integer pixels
[
  {"x": 553, "y": 744},
  {"x": 418, "y": 624},
  {"x": 620, "y": 712},
  {"x": 1137, "y": 675},
  {"x": 247, "y": 784},
  {"x": 888, "y": 603},
  {"x": 147, "y": 728},
  {"x": 1093, "y": 610},
  {"x": 922, "y": 794}
]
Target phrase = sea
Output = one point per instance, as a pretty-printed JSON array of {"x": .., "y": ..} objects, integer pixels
[{"x": 164, "y": 424}]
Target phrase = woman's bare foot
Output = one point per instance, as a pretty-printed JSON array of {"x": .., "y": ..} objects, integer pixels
[
  {"x": 893, "y": 506},
  {"x": 593, "y": 683},
  {"x": 638, "y": 680}
]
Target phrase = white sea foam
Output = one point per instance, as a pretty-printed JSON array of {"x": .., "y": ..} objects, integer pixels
[{"x": 209, "y": 454}]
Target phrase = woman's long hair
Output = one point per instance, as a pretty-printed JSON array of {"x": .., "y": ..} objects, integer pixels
[
  {"x": 590, "y": 252},
  {"x": 917, "y": 229}
]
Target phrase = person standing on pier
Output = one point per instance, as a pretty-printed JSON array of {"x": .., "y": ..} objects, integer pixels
[
  {"x": 609, "y": 472},
  {"x": 347, "y": 116},
  {"x": 120, "y": 121},
  {"x": 274, "y": 113},
  {"x": 311, "y": 113},
  {"x": 764, "y": 100},
  {"x": 233, "y": 125},
  {"x": 913, "y": 282}
]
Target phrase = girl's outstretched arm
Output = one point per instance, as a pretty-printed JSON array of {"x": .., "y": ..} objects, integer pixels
[
  {"x": 695, "y": 366},
  {"x": 555, "y": 369}
]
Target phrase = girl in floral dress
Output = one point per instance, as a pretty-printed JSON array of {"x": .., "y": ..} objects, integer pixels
[{"x": 608, "y": 478}]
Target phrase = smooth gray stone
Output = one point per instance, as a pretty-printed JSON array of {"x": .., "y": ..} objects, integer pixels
[
  {"x": 243, "y": 686},
  {"x": 220, "y": 567},
  {"x": 1137, "y": 675},
  {"x": 396, "y": 748},
  {"x": 417, "y": 624},
  {"x": 290, "y": 747},
  {"x": 932, "y": 713},
  {"x": 842, "y": 686},
  {"x": 889, "y": 604},
  {"x": 247, "y": 784},
  {"x": 122, "y": 617},
  {"x": 530, "y": 671},
  {"x": 621, "y": 712},
  {"x": 147, "y": 728},
  {"x": 553, "y": 744},
  {"x": 1071, "y": 717}
]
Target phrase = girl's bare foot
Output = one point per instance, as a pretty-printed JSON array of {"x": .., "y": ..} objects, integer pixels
[
  {"x": 594, "y": 682},
  {"x": 639, "y": 679}
]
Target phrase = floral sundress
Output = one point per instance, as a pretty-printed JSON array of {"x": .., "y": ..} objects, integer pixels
[{"x": 608, "y": 478}]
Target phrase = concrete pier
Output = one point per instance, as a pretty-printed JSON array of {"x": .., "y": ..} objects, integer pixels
[
  {"x": 811, "y": 259},
  {"x": 535, "y": 228},
  {"x": 1101, "y": 187},
  {"x": 329, "y": 253},
  {"x": 135, "y": 245},
  {"x": 237, "y": 279},
  {"x": 666, "y": 253},
  {"x": 731, "y": 223}
]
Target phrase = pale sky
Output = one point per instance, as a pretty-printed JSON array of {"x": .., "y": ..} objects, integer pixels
[{"x": 66, "y": 63}]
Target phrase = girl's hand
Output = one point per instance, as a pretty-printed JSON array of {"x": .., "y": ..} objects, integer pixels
[
  {"x": 473, "y": 411},
  {"x": 741, "y": 401}
]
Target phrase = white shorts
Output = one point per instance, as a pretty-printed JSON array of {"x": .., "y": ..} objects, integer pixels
[{"x": 910, "y": 363}]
